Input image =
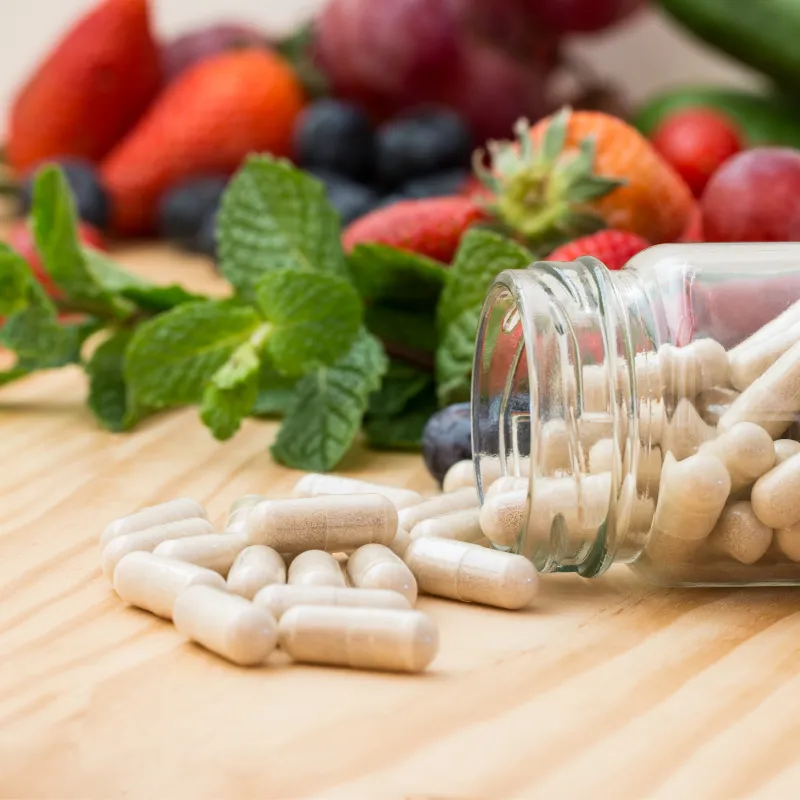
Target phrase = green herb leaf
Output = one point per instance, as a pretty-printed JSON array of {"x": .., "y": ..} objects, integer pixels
[
  {"x": 329, "y": 408},
  {"x": 402, "y": 431},
  {"x": 481, "y": 256},
  {"x": 230, "y": 395},
  {"x": 454, "y": 358},
  {"x": 15, "y": 276},
  {"x": 402, "y": 330},
  {"x": 401, "y": 384},
  {"x": 39, "y": 341},
  {"x": 406, "y": 280},
  {"x": 109, "y": 397},
  {"x": 11, "y": 375},
  {"x": 172, "y": 357},
  {"x": 314, "y": 318},
  {"x": 274, "y": 217},
  {"x": 276, "y": 392}
]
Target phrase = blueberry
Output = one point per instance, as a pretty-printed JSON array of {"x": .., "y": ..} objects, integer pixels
[
  {"x": 352, "y": 200},
  {"x": 336, "y": 136},
  {"x": 446, "y": 439},
  {"x": 422, "y": 144},
  {"x": 185, "y": 207},
  {"x": 205, "y": 242},
  {"x": 440, "y": 184},
  {"x": 92, "y": 202}
]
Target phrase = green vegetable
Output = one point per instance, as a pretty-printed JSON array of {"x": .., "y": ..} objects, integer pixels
[
  {"x": 108, "y": 393},
  {"x": 762, "y": 119},
  {"x": 454, "y": 358},
  {"x": 402, "y": 431},
  {"x": 760, "y": 33}
]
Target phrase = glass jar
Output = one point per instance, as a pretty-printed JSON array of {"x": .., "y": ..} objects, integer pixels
[{"x": 647, "y": 416}]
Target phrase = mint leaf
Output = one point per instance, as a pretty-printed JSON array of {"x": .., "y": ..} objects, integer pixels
[
  {"x": 15, "y": 276},
  {"x": 13, "y": 374},
  {"x": 172, "y": 357},
  {"x": 274, "y": 216},
  {"x": 38, "y": 340},
  {"x": 402, "y": 431},
  {"x": 109, "y": 397},
  {"x": 406, "y": 280},
  {"x": 314, "y": 318},
  {"x": 275, "y": 391},
  {"x": 402, "y": 330},
  {"x": 481, "y": 256},
  {"x": 454, "y": 358},
  {"x": 401, "y": 384},
  {"x": 55, "y": 229},
  {"x": 230, "y": 395},
  {"x": 330, "y": 404}
]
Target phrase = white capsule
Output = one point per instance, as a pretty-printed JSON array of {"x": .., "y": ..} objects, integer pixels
[
  {"x": 163, "y": 513},
  {"x": 472, "y": 574},
  {"x": 602, "y": 455},
  {"x": 776, "y": 495},
  {"x": 226, "y": 624},
  {"x": 436, "y": 506},
  {"x": 687, "y": 371},
  {"x": 460, "y": 476},
  {"x": 465, "y": 526},
  {"x": 785, "y": 449},
  {"x": 712, "y": 404},
  {"x": 315, "y": 484},
  {"x": 788, "y": 541},
  {"x": 279, "y": 598},
  {"x": 360, "y": 638},
  {"x": 374, "y": 566},
  {"x": 400, "y": 543},
  {"x": 255, "y": 567},
  {"x": 503, "y": 516},
  {"x": 508, "y": 483},
  {"x": 315, "y": 568},
  {"x": 739, "y": 533},
  {"x": 240, "y": 511},
  {"x": 746, "y": 450},
  {"x": 148, "y": 539},
  {"x": 153, "y": 583},
  {"x": 648, "y": 467},
  {"x": 209, "y": 550},
  {"x": 750, "y": 363},
  {"x": 685, "y": 432}
]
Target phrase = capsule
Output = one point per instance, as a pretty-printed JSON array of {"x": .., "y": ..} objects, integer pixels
[
  {"x": 750, "y": 363},
  {"x": 335, "y": 523},
  {"x": 785, "y": 449},
  {"x": 712, "y": 404},
  {"x": 255, "y": 567},
  {"x": 601, "y": 456},
  {"x": 776, "y": 495},
  {"x": 787, "y": 541},
  {"x": 148, "y": 539},
  {"x": 465, "y": 526},
  {"x": 315, "y": 568},
  {"x": 774, "y": 327},
  {"x": 503, "y": 516},
  {"x": 240, "y": 511},
  {"x": 436, "y": 506},
  {"x": 691, "y": 496},
  {"x": 360, "y": 638},
  {"x": 746, "y": 450},
  {"x": 472, "y": 574},
  {"x": 400, "y": 543},
  {"x": 773, "y": 400},
  {"x": 672, "y": 551},
  {"x": 508, "y": 483},
  {"x": 652, "y": 421},
  {"x": 462, "y": 474},
  {"x": 685, "y": 431},
  {"x": 148, "y": 581},
  {"x": 316, "y": 484},
  {"x": 374, "y": 566},
  {"x": 162, "y": 514},
  {"x": 225, "y": 624},
  {"x": 739, "y": 533},
  {"x": 634, "y": 512},
  {"x": 279, "y": 598},
  {"x": 648, "y": 468},
  {"x": 209, "y": 550},
  {"x": 687, "y": 371}
]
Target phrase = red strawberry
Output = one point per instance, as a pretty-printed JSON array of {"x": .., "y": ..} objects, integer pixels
[
  {"x": 431, "y": 227},
  {"x": 613, "y": 248},
  {"x": 90, "y": 90}
]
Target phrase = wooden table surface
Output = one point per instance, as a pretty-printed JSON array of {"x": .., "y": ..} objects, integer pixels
[{"x": 605, "y": 688}]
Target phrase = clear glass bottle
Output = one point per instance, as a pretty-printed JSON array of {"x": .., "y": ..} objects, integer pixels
[{"x": 631, "y": 413}]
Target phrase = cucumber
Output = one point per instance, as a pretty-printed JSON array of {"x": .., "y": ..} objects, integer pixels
[
  {"x": 763, "y": 120},
  {"x": 760, "y": 33}
]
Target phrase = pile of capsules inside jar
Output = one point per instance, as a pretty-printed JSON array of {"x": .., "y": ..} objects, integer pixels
[{"x": 329, "y": 576}]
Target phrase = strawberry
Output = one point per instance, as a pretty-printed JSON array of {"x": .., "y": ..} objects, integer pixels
[
  {"x": 206, "y": 121},
  {"x": 578, "y": 172},
  {"x": 613, "y": 248},
  {"x": 432, "y": 227},
  {"x": 90, "y": 90}
]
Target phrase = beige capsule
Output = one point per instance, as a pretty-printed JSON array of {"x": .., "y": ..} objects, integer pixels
[
  {"x": 465, "y": 526},
  {"x": 647, "y": 371},
  {"x": 787, "y": 541},
  {"x": 652, "y": 421},
  {"x": 315, "y": 568},
  {"x": 685, "y": 431},
  {"x": 776, "y": 495},
  {"x": 634, "y": 512},
  {"x": 772, "y": 401},
  {"x": 774, "y": 327},
  {"x": 648, "y": 467},
  {"x": 225, "y": 624},
  {"x": 360, "y": 638},
  {"x": 436, "y": 506},
  {"x": 687, "y": 371},
  {"x": 691, "y": 496},
  {"x": 255, "y": 567},
  {"x": 148, "y": 581},
  {"x": 662, "y": 549},
  {"x": 503, "y": 515},
  {"x": 162, "y": 514},
  {"x": 750, "y": 363},
  {"x": 462, "y": 474},
  {"x": 335, "y": 523},
  {"x": 785, "y": 449},
  {"x": 602, "y": 454},
  {"x": 746, "y": 450},
  {"x": 739, "y": 533},
  {"x": 316, "y": 484},
  {"x": 279, "y": 598},
  {"x": 148, "y": 539},
  {"x": 507, "y": 483},
  {"x": 374, "y": 566},
  {"x": 400, "y": 542},
  {"x": 713, "y": 403},
  {"x": 471, "y": 573},
  {"x": 239, "y": 512},
  {"x": 209, "y": 550}
]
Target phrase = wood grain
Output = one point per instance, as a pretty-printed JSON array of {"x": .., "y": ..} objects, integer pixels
[{"x": 605, "y": 688}]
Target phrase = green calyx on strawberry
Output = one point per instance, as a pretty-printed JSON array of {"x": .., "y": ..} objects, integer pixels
[{"x": 543, "y": 191}]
